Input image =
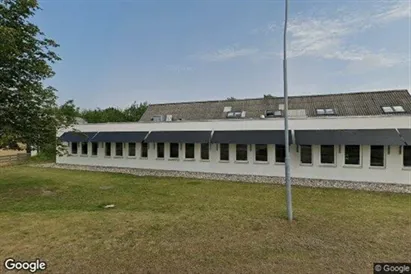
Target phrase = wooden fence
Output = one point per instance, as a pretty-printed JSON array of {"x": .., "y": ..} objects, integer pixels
[{"x": 14, "y": 159}]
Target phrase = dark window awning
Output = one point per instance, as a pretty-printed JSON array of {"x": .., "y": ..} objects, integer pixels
[
  {"x": 250, "y": 137},
  {"x": 178, "y": 137},
  {"x": 120, "y": 136},
  {"x": 348, "y": 137},
  {"x": 76, "y": 136},
  {"x": 406, "y": 135}
]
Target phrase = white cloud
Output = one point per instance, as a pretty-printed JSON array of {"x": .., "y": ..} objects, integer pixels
[
  {"x": 328, "y": 36},
  {"x": 397, "y": 10},
  {"x": 227, "y": 54}
]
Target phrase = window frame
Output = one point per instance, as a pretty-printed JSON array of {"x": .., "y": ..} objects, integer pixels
[
  {"x": 325, "y": 111},
  {"x": 359, "y": 156},
  {"x": 301, "y": 155},
  {"x": 387, "y": 109},
  {"x": 244, "y": 147},
  {"x": 275, "y": 154},
  {"x": 202, "y": 150},
  {"x": 256, "y": 150},
  {"x": 383, "y": 156},
  {"x": 92, "y": 148},
  {"x": 334, "y": 159},
  {"x": 144, "y": 150},
  {"x": 185, "y": 151},
  {"x": 117, "y": 147},
  {"x": 105, "y": 149},
  {"x": 170, "y": 151},
  {"x": 162, "y": 145},
  {"x": 82, "y": 146},
  {"x": 71, "y": 148},
  {"x": 329, "y": 111},
  {"x": 404, "y": 148},
  {"x": 398, "y": 109},
  {"x": 221, "y": 151},
  {"x": 128, "y": 149}
]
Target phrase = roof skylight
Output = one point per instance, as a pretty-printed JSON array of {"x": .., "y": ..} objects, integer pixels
[
  {"x": 387, "y": 109},
  {"x": 392, "y": 109},
  {"x": 325, "y": 111},
  {"x": 329, "y": 111},
  {"x": 236, "y": 114},
  {"x": 273, "y": 113},
  {"x": 398, "y": 109}
]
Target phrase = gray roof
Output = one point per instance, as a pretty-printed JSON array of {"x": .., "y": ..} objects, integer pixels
[{"x": 344, "y": 104}]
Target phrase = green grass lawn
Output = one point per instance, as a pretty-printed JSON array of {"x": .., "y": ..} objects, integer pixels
[{"x": 174, "y": 225}]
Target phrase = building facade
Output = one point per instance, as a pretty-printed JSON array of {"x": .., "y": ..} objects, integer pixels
[{"x": 360, "y": 137}]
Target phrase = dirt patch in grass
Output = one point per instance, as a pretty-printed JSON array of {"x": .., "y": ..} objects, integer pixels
[{"x": 168, "y": 225}]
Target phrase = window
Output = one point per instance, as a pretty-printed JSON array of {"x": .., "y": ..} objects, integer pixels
[
  {"x": 306, "y": 154},
  {"x": 108, "y": 149},
  {"x": 119, "y": 149},
  {"x": 392, "y": 109},
  {"x": 173, "y": 150},
  {"x": 327, "y": 154},
  {"x": 261, "y": 154},
  {"x": 272, "y": 113},
  {"x": 160, "y": 150},
  {"x": 84, "y": 148},
  {"x": 94, "y": 149},
  {"x": 241, "y": 153},
  {"x": 279, "y": 153},
  {"x": 325, "y": 111},
  {"x": 189, "y": 151},
  {"x": 377, "y": 156},
  {"x": 157, "y": 118},
  {"x": 407, "y": 156},
  {"x": 398, "y": 109},
  {"x": 235, "y": 114},
  {"x": 352, "y": 155},
  {"x": 144, "y": 150},
  {"x": 132, "y": 149},
  {"x": 205, "y": 151},
  {"x": 329, "y": 111},
  {"x": 73, "y": 148},
  {"x": 387, "y": 109},
  {"x": 224, "y": 152}
]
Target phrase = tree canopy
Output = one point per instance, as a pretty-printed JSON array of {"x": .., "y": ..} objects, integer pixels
[
  {"x": 132, "y": 113},
  {"x": 28, "y": 109},
  {"x": 29, "y": 112}
]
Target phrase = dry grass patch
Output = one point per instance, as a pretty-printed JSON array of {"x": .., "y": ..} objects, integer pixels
[{"x": 170, "y": 225}]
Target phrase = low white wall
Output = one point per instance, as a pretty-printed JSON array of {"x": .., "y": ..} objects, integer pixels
[{"x": 393, "y": 172}]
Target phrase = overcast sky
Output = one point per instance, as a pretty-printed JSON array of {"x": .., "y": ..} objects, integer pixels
[{"x": 119, "y": 51}]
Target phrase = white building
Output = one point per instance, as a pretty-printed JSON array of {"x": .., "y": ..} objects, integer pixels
[{"x": 363, "y": 137}]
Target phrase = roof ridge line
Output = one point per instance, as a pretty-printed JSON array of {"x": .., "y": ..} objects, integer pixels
[{"x": 281, "y": 98}]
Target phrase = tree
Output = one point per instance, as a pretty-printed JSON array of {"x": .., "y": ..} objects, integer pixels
[
  {"x": 268, "y": 96},
  {"x": 134, "y": 112},
  {"x": 130, "y": 114},
  {"x": 28, "y": 109},
  {"x": 65, "y": 115},
  {"x": 231, "y": 99}
]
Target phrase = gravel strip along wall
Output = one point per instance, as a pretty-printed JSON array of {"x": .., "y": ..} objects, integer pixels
[{"x": 381, "y": 187}]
